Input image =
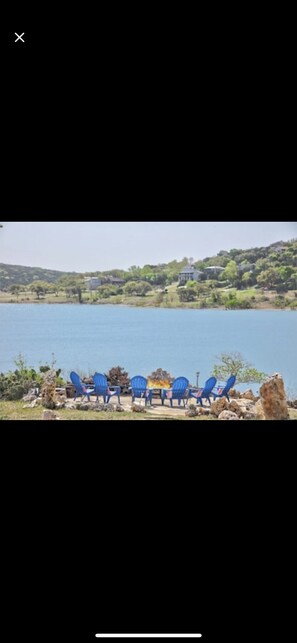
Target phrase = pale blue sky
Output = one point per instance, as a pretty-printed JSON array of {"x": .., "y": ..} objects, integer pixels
[{"x": 90, "y": 246}]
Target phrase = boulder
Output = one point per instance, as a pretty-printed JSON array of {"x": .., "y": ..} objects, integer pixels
[
  {"x": 239, "y": 409},
  {"x": 218, "y": 406},
  {"x": 191, "y": 410},
  {"x": 202, "y": 411},
  {"x": 137, "y": 408},
  {"x": 36, "y": 402},
  {"x": 84, "y": 406},
  {"x": 119, "y": 408},
  {"x": 108, "y": 407},
  {"x": 228, "y": 415},
  {"x": 70, "y": 405},
  {"x": 233, "y": 393},
  {"x": 61, "y": 398},
  {"x": 273, "y": 399},
  {"x": 245, "y": 403},
  {"x": 258, "y": 411},
  {"x": 251, "y": 415},
  {"x": 48, "y": 390},
  {"x": 30, "y": 397},
  {"x": 49, "y": 415},
  {"x": 249, "y": 395}
]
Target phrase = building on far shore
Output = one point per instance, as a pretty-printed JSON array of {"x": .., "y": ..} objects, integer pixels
[
  {"x": 92, "y": 282},
  {"x": 213, "y": 271},
  {"x": 189, "y": 273},
  {"x": 113, "y": 281}
]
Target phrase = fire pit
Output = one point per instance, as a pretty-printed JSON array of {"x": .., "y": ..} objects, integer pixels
[{"x": 158, "y": 380}]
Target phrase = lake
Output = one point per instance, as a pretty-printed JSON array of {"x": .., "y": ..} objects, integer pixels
[{"x": 88, "y": 338}]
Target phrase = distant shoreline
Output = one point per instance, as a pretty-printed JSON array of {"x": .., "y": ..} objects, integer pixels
[{"x": 131, "y": 305}]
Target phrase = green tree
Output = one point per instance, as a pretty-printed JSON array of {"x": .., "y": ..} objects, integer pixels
[
  {"x": 285, "y": 272},
  {"x": 40, "y": 287},
  {"x": 54, "y": 289},
  {"x": 231, "y": 272},
  {"x": 234, "y": 364},
  {"x": 187, "y": 294},
  {"x": 138, "y": 288},
  {"x": 246, "y": 279},
  {"x": 261, "y": 264},
  {"x": 105, "y": 291},
  {"x": 15, "y": 290},
  {"x": 269, "y": 278}
]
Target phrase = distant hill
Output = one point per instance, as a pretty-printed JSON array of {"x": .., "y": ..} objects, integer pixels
[
  {"x": 24, "y": 275},
  {"x": 273, "y": 266}
]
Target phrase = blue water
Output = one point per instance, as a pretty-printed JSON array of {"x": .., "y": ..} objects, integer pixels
[{"x": 95, "y": 338}]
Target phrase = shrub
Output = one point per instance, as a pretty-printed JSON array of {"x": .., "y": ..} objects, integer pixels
[
  {"x": 117, "y": 376},
  {"x": 15, "y": 384}
]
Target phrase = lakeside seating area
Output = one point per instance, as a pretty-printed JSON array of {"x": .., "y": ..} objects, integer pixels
[
  {"x": 147, "y": 395},
  {"x": 179, "y": 394}
]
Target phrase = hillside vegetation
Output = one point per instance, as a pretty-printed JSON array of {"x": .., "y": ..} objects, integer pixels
[
  {"x": 24, "y": 275},
  {"x": 264, "y": 277}
]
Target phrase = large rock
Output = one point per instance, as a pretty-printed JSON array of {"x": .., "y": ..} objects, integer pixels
[
  {"x": 239, "y": 409},
  {"x": 255, "y": 411},
  {"x": 49, "y": 415},
  {"x": 203, "y": 411},
  {"x": 218, "y": 406},
  {"x": 191, "y": 410},
  {"x": 70, "y": 405},
  {"x": 36, "y": 402},
  {"x": 48, "y": 390},
  {"x": 273, "y": 399},
  {"x": 233, "y": 393},
  {"x": 30, "y": 397},
  {"x": 258, "y": 411},
  {"x": 137, "y": 408},
  {"x": 249, "y": 395},
  {"x": 84, "y": 406},
  {"x": 228, "y": 415}
]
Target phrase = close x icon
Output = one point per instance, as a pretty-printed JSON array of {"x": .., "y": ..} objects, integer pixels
[{"x": 19, "y": 37}]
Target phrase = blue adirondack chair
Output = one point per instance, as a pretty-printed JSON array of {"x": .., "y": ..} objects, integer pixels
[
  {"x": 204, "y": 392},
  {"x": 80, "y": 388},
  {"x": 102, "y": 388},
  {"x": 139, "y": 388},
  {"x": 223, "y": 390},
  {"x": 176, "y": 392}
]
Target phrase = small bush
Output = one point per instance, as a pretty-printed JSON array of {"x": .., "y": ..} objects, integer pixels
[
  {"x": 15, "y": 384},
  {"x": 117, "y": 376}
]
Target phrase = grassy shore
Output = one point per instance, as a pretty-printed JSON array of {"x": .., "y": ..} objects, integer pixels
[
  {"x": 258, "y": 299},
  {"x": 16, "y": 411}
]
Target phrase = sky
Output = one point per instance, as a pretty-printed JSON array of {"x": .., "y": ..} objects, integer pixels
[{"x": 88, "y": 246}]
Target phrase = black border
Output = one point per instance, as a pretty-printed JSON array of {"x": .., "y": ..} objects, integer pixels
[{"x": 198, "y": 522}]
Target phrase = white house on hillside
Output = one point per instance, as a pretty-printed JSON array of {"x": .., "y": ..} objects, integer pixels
[
  {"x": 189, "y": 273},
  {"x": 92, "y": 282}
]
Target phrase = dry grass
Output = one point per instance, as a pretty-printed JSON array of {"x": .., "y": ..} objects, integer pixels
[{"x": 15, "y": 411}]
